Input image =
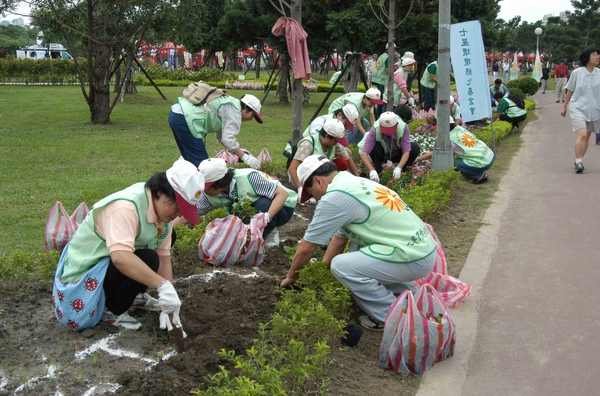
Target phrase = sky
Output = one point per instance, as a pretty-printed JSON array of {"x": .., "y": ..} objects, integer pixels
[
  {"x": 529, "y": 10},
  {"x": 532, "y": 10}
]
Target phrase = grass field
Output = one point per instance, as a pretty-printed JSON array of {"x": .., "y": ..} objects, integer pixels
[{"x": 51, "y": 151}]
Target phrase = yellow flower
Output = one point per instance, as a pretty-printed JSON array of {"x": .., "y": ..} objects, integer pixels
[
  {"x": 469, "y": 140},
  {"x": 389, "y": 199}
]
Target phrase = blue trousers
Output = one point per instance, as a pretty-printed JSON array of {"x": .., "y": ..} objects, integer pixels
[
  {"x": 428, "y": 98},
  {"x": 191, "y": 148},
  {"x": 282, "y": 217},
  {"x": 471, "y": 172}
]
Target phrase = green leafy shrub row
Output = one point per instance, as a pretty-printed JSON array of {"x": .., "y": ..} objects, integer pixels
[
  {"x": 292, "y": 351},
  {"x": 49, "y": 71}
]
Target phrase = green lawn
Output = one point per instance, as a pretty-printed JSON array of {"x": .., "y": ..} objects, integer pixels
[{"x": 52, "y": 152}]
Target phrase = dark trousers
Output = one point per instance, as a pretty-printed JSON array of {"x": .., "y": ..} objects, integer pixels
[
  {"x": 282, "y": 217},
  {"x": 428, "y": 98},
  {"x": 120, "y": 290},
  {"x": 191, "y": 148},
  {"x": 513, "y": 121},
  {"x": 378, "y": 156}
]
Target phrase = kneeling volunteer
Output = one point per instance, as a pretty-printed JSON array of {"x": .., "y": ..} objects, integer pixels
[
  {"x": 390, "y": 246},
  {"x": 225, "y": 187},
  {"x": 122, "y": 248},
  {"x": 389, "y": 140}
]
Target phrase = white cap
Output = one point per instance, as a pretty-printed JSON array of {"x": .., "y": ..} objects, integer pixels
[
  {"x": 351, "y": 114},
  {"x": 307, "y": 168},
  {"x": 451, "y": 99},
  {"x": 386, "y": 46},
  {"x": 375, "y": 95},
  {"x": 408, "y": 55},
  {"x": 335, "y": 128},
  {"x": 188, "y": 184},
  {"x": 212, "y": 169},
  {"x": 388, "y": 123},
  {"x": 407, "y": 62},
  {"x": 253, "y": 102}
]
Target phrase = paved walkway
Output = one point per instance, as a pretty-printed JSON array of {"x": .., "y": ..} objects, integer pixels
[{"x": 532, "y": 324}]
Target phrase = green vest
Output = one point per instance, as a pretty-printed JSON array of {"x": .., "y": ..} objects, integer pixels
[
  {"x": 399, "y": 135},
  {"x": 514, "y": 111},
  {"x": 244, "y": 189},
  {"x": 318, "y": 146},
  {"x": 204, "y": 119},
  {"x": 322, "y": 119},
  {"x": 392, "y": 232},
  {"x": 476, "y": 153},
  {"x": 425, "y": 81},
  {"x": 353, "y": 97},
  {"x": 87, "y": 248},
  {"x": 397, "y": 90},
  {"x": 380, "y": 74}
]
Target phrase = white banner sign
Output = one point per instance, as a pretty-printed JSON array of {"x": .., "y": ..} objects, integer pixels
[{"x": 470, "y": 70}]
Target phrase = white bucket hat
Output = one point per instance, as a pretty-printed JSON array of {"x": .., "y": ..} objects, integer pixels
[
  {"x": 253, "y": 102},
  {"x": 188, "y": 183},
  {"x": 212, "y": 169}
]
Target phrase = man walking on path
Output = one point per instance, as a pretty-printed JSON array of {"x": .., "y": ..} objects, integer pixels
[
  {"x": 583, "y": 102},
  {"x": 561, "y": 72},
  {"x": 528, "y": 314}
]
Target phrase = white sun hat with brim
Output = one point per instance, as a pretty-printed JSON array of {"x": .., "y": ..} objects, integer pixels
[{"x": 188, "y": 183}]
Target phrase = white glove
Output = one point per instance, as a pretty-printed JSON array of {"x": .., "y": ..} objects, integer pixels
[
  {"x": 267, "y": 216},
  {"x": 251, "y": 161},
  {"x": 299, "y": 194},
  {"x": 374, "y": 176},
  {"x": 397, "y": 172},
  {"x": 168, "y": 299},
  {"x": 165, "y": 322},
  {"x": 411, "y": 101}
]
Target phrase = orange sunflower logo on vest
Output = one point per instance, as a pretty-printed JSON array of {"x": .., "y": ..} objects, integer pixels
[
  {"x": 389, "y": 199},
  {"x": 469, "y": 140}
]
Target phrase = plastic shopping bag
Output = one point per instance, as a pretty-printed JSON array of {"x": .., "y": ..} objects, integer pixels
[
  {"x": 441, "y": 265},
  {"x": 419, "y": 332},
  {"x": 223, "y": 241},
  {"x": 59, "y": 228},
  {"x": 254, "y": 250},
  {"x": 264, "y": 156},
  {"x": 451, "y": 289},
  {"x": 231, "y": 159},
  {"x": 79, "y": 215}
]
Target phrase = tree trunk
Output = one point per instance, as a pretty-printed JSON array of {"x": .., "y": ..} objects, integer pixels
[
  {"x": 282, "y": 84},
  {"x": 99, "y": 99},
  {"x": 297, "y": 91}
]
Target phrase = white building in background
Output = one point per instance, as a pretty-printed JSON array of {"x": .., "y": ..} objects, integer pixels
[{"x": 562, "y": 15}]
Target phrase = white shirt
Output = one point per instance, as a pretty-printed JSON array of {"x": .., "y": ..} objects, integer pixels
[{"x": 585, "y": 102}]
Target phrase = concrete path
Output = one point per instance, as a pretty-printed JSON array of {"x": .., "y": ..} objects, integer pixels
[{"x": 532, "y": 323}]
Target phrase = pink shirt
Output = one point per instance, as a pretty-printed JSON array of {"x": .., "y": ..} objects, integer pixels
[
  {"x": 118, "y": 224},
  {"x": 399, "y": 80}
]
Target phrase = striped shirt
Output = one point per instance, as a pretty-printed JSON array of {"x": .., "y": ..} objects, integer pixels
[
  {"x": 259, "y": 183},
  {"x": 335, "y": 210}
]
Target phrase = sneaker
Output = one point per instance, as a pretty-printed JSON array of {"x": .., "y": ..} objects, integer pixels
[
  {"x": 146, "y": 301},
  {"x": 558, "y": 101},
  {"x": 124, "y": 320},
  {"x": 272, "y": 239},
  {"x": 369, "y": 323},
  {"x": 579, "y": 167}
]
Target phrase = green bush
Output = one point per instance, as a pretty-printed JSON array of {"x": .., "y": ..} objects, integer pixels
[
  {"x": 528, "y": 85},
  {"x": 512, "y": 84},
  {"x": 518, "y": 93},
  {"x": 426, "y": 199}
]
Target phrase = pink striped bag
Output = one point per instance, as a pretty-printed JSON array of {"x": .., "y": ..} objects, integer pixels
[
  {"x": 264, "y": 156},
  {"x": 440, "y": 262},
  {"x": 451, "y": 289},
  {"x": 223, "y": 241},
  {"x": 419, "y": 332},
  {"x": 59, "y": 228},
  {"x": 254, "y": 250},
  {"x": 79, "y": 215},
  {"x": 231, "y": 159}
]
